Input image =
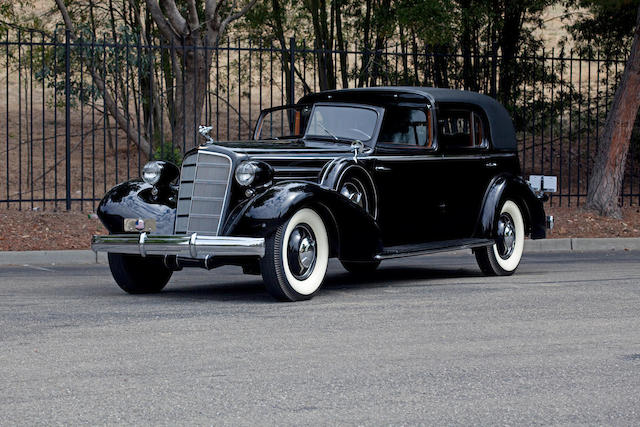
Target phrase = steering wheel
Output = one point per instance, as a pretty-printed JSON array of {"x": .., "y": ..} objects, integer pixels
[{"x": 361, "y": 132}]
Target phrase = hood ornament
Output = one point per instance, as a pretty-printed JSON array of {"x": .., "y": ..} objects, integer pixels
[
  {"x": 357, "y": 146},
  {"x": 204, "y": 131}
]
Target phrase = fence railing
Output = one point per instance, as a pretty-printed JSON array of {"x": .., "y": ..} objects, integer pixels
[{"x": 81, "y": 115}]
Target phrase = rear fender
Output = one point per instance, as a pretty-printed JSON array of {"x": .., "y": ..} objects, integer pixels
[
  {"x": 354, "y": 233},
  {"x": 133, "y": 199},
  {"x": 510, "y": 186}
]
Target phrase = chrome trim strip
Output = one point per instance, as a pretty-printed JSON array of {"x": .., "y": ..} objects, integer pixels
[
  {"x": 434, "y": 156},
  {"x": 294, "y": 169},
  {"x": 295, "y": 157},
  {"x": 478, "y": 244},
  {"x": 289, "y": 150},
  {"x": 440, "y": 157},
  {"x": 189, "y": 246}
]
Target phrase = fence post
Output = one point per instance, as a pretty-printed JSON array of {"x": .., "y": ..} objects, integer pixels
[
  {"x": 67, "y": 114},
  {"x": 292, "y": 73}
]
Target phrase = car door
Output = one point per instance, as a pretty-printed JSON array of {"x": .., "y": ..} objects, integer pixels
[
  {"x": 464, "y": 141},
  {"x": 406, "y": 172}
]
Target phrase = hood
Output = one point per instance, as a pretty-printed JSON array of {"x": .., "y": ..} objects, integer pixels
[{"x": 282, "y": 146}]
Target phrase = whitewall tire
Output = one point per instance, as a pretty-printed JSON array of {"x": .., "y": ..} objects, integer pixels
[
  {"x": 503, "y": 258},
  {"x": 296, "y": 257}
]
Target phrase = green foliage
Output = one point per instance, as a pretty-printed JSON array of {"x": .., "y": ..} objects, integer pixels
[
  {"x": 168, "y": 152},
  {"x": 606, "y": 29},
  {"x": 431, "y": 21}
]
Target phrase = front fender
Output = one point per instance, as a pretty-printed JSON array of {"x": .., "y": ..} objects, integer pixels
[
  {"x": 355, "y": 234},
  {"x": 133, "y": 199},
  {"x": 514, "y": 187}
]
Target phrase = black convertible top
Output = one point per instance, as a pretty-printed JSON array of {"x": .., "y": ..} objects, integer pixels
[{"x": 503, "y": 133}]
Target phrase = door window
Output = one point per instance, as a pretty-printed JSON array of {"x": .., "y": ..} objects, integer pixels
[
  {"x": 406, "y": 126},
  {"x": 461, "y": 129}
]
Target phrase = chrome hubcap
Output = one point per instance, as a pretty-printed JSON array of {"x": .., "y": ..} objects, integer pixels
[
  {"x": 301, "y": 251},
  {"x": 506, "y": 236}
]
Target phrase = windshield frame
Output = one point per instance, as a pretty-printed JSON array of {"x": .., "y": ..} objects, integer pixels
[
  {"x": 263, "y": 113},
  {"x": 369, "y": 142}
]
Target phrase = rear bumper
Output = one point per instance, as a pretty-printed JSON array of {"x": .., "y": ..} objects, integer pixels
[
  {"x": 184, "y": 245},
  {"x": 550, "y": 222}
]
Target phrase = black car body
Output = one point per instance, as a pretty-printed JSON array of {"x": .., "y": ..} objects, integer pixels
[{"x": 363, "y": 175}]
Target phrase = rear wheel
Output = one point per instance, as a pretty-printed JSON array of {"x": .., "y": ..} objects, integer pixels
[
  {"x": 296, "y": 257},
  {"x": 138, "y": 275},
  {"x": 503, "y": 258}
]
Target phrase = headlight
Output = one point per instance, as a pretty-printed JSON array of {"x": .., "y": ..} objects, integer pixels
[
  {"x": 246, "y": 173},
  {"x": 151, "y": 173},
  {"x": 159, "y": 172}
]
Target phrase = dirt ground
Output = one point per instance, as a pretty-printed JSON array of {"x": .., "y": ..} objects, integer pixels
[{"x": 29, "y": 230}]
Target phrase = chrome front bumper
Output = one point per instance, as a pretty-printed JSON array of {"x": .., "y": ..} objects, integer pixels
[{"x": 184, "y": 245}]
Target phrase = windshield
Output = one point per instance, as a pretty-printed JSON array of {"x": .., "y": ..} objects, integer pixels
[
  {"x": 342, "y": 122},
  {"x": 282, "y": 122}
]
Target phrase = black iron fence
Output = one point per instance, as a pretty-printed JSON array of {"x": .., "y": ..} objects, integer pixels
[{"x": 81, "y": 115}]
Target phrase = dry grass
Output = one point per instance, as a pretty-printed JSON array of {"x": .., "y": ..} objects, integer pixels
[
  {"x": 28, "y": 230},
  {"x": 576, "y": 222}
]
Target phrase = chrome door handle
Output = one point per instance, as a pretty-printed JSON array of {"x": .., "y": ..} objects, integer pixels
[
  {"x": 382, "y": 169},
  {"x": 491, "y": 164}
]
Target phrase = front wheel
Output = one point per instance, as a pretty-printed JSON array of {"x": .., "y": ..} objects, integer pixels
[
  {"x": 503, "y": 258},
  {"x": 296, "y": 257},
  {"x": 138, "y": 275}
]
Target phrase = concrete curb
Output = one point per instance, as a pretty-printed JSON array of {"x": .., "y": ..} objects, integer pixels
[
  {"x": 65, "y": 257},
  {"x": 80, "y": 257}
]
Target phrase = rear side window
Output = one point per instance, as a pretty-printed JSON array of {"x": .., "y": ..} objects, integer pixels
[
  {"x": 406, "y": 126},
  {"x": 461, "y": 129}
]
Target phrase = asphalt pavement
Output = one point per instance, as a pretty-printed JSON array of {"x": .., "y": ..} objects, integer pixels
[{"x": 426, "y": 340}]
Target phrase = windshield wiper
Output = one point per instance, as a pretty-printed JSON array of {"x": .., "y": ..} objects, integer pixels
[{"x": 327, "y": 131}]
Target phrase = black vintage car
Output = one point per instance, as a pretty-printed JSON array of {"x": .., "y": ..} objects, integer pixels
[{"x": 363, "y": 175}]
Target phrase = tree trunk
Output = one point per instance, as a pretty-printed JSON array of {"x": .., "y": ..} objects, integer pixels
[
  {"x": 190, "y": 97},
  {"x": 344, "y": 65},
  {"x": 323, "y": 43},
  {"x": 509, "y": 41},
  {"x": 467, "y": 68},
  {"x": 365, "y": 66},
  {"x": 605, "y": 184}
]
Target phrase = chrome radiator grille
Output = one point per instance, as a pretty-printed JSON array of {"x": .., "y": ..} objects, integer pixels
[{"x": 204, "y": 182}]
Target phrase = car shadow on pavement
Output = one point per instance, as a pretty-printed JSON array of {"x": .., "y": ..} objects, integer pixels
[
  {"x": 251, "y": 290},
  {"x": 246, "y": 290},
  {"x": 397, "y": 276}
]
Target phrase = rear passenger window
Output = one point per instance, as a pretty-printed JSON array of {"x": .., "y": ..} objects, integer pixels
[
  {"x": 461, "y": 129},
  {"x": 406, "y": 126}
]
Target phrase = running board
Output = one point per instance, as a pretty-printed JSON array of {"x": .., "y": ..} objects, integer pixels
[{"x": 402, "y": 251}]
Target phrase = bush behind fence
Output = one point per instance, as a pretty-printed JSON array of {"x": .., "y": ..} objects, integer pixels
[{"x": 62, "y": 148}]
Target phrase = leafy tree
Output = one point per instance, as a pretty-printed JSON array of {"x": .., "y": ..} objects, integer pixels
[
  {"x": 192, "y": 28},
  {"x": 605, "y": 184},
  {"x": 606, "y": 29}
]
